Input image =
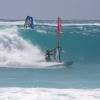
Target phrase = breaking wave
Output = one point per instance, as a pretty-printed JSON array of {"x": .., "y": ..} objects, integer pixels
[
  {"x": 50, "y": 23},
  {"x": 48, "y": 94},
  {"x": 14, "y": 50}
]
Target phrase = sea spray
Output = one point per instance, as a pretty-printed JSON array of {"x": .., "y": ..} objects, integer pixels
[{"x": 14, "y": 50}]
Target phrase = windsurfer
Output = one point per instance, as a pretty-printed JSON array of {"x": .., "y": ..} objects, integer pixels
[
  {"x": 55, "y": 53},
  {"x": 48, "y": 55}
]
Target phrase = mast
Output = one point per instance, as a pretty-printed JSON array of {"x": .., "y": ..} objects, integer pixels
[
  {"x": 58, "y": 31},
  {"x": 58, "y": 49}
]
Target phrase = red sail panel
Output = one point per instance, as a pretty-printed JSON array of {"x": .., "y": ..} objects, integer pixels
[{"x": 59, "y": 26}]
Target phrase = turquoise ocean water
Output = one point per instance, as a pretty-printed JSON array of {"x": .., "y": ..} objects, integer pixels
[{"x": 19, "y": 47}]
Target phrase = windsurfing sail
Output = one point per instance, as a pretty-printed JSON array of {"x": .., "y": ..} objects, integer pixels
[
  {"x": 58, "y": 49},
  {"x": 29, "y": 22},
  {"x": 59, "y": 26},
  {"x": 58, "y": 31},
  {"x": 56, "y": 52}
]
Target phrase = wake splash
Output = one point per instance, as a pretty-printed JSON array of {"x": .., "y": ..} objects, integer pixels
[
  {"x": 15, "y": 51},
  {"x": 48, "y": 94}
]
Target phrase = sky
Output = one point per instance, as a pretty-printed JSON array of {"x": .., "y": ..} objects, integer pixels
[{"x": 50, "y": 9}]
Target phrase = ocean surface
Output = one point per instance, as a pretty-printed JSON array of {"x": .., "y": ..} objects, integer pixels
[{"x": 25, "y": 76}]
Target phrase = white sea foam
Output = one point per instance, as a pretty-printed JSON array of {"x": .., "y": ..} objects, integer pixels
[
  {"x": 69, "y": 24},
  {"x": 14, "y": 50},
  {"x": 41, "y": 31},
  {"x": 48, "y": 94},
  {"x": 81, "y": 24},
  {"x": 8, "y": 23}
]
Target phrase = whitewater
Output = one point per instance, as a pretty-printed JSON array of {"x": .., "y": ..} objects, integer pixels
[{"x": 24, "y": 74}]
